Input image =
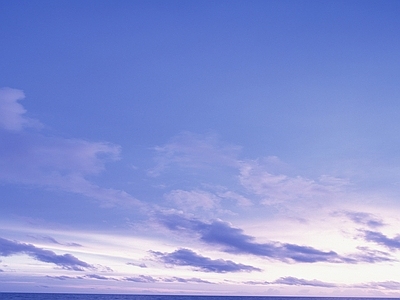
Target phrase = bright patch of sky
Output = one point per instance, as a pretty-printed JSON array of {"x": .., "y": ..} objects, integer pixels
[{"x": 200, "y": 147}]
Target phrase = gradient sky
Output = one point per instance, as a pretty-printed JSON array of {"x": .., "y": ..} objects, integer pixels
[{"x": 200, "y": 147}]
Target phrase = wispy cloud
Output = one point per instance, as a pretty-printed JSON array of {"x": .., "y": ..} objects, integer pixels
[
  {"x": 186, "y": 257},
  {"x": 186, "y": 280},
  {"x": 189, "y": 150},
  {"x": 289, "y": 280},
  {"x": 278, "y": 188},
  {"x": 54, "y": 241},
  {"x": 240, "y": 200},
  {"x": 141, "y": 279},
  {"x": 386, "y": 285},
  {"x": 140, "y": 265},
  {"x": 150, "y": 279},
  {"x": 297, "y": 281},
  {"x": 62, "y": 277},
  {"x": 192, "y": 200},
  {"x": 362, "y": 218},
  {"x": 367, "y": 255},
  {"x": 66, "y": 261},
  {"x": 99, "y": 277},
  {"x": 260, "y": 177},
  {"x": 12, "y": 113},
  {"x": 136, "y": 279},
  {"x": 30, "y": 157}
]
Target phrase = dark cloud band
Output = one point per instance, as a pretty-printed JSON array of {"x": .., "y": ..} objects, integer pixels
[
  {"x": 186, "y": 257},
  {"x": 66, "y": 261}
]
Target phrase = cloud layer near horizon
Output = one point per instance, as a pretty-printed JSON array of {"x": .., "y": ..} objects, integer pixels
[
  {"x": 233, "y": 240},
  {"x": 34, "y": 158}
]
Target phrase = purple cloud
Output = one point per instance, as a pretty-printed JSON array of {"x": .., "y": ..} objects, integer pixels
[
  {"x": 369, "y": 256},
  {"x": 63, "y": 277},
  {"x": 184, "y": 280},
  {"x": 141, "y": 279},
  {"x": 12, "y": 113},
  {"x": 95, "y": 276},
  {"x": 387, "y": 285},
  {"x": 233, "y": 240},
  {"x": 140, "y": 265},
  {"x": 66, "y": 261},
  {"x": 297, "y": 281},
  {"x": 54, "y": 241},
  {"x": 186, "y": 257},
  {"x": 294, "y": 281},
  {"x": 381, "y": 239},
  {"x": 364, "y": 219}
]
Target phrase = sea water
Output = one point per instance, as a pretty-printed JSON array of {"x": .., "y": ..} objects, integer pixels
[{"x": 49, "y": 296}]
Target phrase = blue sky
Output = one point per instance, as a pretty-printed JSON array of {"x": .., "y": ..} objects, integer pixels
[{"x": 200, "y": 147}]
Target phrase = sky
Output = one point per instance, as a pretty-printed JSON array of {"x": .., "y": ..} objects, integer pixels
[{"x": 200, "y": 147}]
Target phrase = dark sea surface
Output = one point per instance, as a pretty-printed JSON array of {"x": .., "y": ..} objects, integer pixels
[{"x": 48, "y": 296}]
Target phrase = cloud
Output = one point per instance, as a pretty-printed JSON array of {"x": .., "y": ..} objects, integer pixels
[
  {"x": 192, "y": 200},
  {"x": 189, "y": 150},
  {"x": 278, "y": 188},
  {"x": 62, "y": 277},
  {"x": 30, "y": 157},
  {"x": 199, "y": 200},
  {"x": 369, "y": 256},
  {"x": 259, "y": 177},
  {"x": 136, "y": 279},
  {"x": 54, "y": 241},
  {"x": 381, "y": 239},
  {"x": 186, "y": 257},
  {"x": 387, "y": 285},
  {"x": 363, "y": 218},
  {"x": 12, "y": 113},
  {"x": 233, "y": 240},
  {"x": 289, "y": 280},
  {"x": 66, "y": 261},
  {"x": 240, "y": 200},
  {"x": 140, "y": 265},
  {"x": 297, "y": 281},
  {"x": 141, "y": 279},
  {"x": 185, "y": 280},
  {"x": 99, "y": 277}
]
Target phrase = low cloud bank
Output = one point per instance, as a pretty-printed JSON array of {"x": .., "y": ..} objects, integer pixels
[{"x": 233, "y": 240}]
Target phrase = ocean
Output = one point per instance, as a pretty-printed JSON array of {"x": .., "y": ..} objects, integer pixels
[{"x": 49, "y": 296}]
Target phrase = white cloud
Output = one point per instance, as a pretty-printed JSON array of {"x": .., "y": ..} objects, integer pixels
[
  {"x": 192, "y": 200},
  {"x": 207, "y": 159},
  {"x": 280, "y": 188},
  {"x": 240, "y": 200},
  {"x": 194, "y": 151},
  {"x": 12, "y": 113}
]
